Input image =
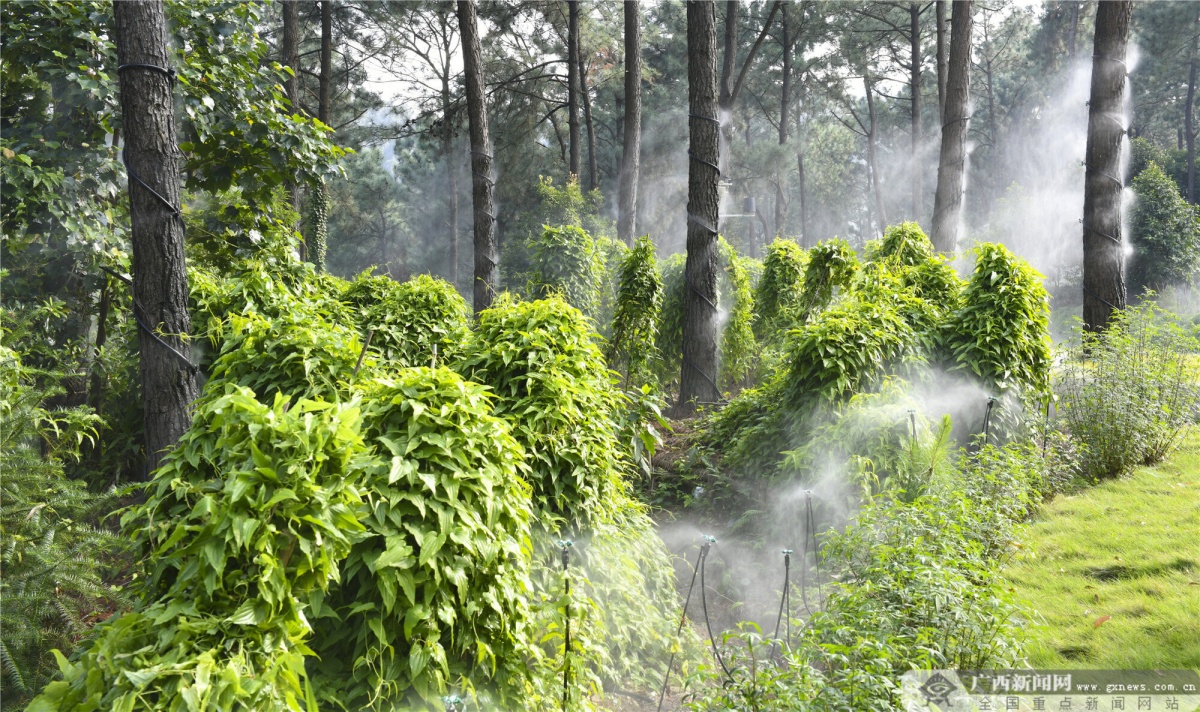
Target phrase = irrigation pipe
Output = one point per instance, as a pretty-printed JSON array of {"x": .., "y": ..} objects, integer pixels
[
  {"x": 682, "y": 617},
  {"x": 566, "y": 560}
]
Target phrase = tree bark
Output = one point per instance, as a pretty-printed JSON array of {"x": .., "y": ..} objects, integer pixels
[
  {"x": 487, "y": 279},
  {"x": 942, "y": 63},
  {"x": 451, "y": 178},
  {"x": 160, "y": 288},
  {"x": 573, "y": 85},
  {"x": 785, "y": 100},
  {"x": 317, "y": 244},
  {"x": 918, "y": 175},
  {"x": 804, "y": 241},
  {"x": 1103, "y": 250},
  {"x": 948, "y": 200},
  {"x": 1189, "y": 116},
  {"x": 1076, "y": 6},
  {"x": 632, "y": 127},
  {"x": 593, "y": 171},
  {"x": 448, "y": 143},
  {"x": 698, "y": 375},
  {"x": 872, "y": 156},
  {"x": 291, "y": 59},
  {"x": 729, "y": 87}
]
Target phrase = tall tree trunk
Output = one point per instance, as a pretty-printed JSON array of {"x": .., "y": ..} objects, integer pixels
[
  {"x": 487, "y": 280},
  {"x": 95, "y": 396},
  {"x": 804, "y": 238},
  {"x": 320, "y": 209},
  {"x": 632, "y": 128},
  {"x": 698, "y": 375},
  {"x": 1076, "y": 6},
  {"x": 160, "y": 290},
  {"x": 918, "y": 175},
  {"x": 593, "y": 172},
  {"x": 1103, "y": 250},
  {"x": 730, "y": 87},
  {"x": 573, "y": 84},
  {"x": 942, "y": 62},
  {"x": 1189, "y": 116},
  {"x": 785, "y": 101},
  {"x": 872, "y": 156},
  {"x": 451, "y": 177},
  {"x": 291, "y": 59},
  {"x": 952, "y": 163}
]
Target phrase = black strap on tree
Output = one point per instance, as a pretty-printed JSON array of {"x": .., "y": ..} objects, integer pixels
[
  {"x": 137, "y": 307},
  {"x": 566, "y": 545},
  {"x": 678, "y": 630}
]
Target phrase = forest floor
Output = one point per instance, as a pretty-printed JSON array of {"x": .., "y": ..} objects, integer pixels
[{"x": 1112, "y": 572}]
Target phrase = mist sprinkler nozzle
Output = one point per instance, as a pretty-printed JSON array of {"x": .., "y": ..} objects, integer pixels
[
  {"x": 708, "y": 542},
  {"x": 787, "y": 552},
  {"x": 566, "y": 545},
  {"x": 992, "y": 399},
  {"x": 452, "y": 702},
  {"x": 710, "y": 539}
]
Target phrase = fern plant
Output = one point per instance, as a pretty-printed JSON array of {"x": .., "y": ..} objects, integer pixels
[{"x": 54, "y": 549}]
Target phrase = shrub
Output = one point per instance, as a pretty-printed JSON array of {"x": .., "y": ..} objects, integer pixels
[
  {"x": 632, "y": 349},
  {"x": 739, "y": 351},
  {"x": 414, "y": 318},
  {"x": 563, "y": 260},
  {"x": 1165, "y": 233},
  {"x": 365, "y": 291},
  {"x": 1001, "y": 333},
  {"x": 904, "y": 244},
  {"x": 553, "y": 387},
  {"x": 433, "y": 593},
  {"x": 670, "y": 327},
  {"x": 296, "y": 354},
  {"x": 246, "y": 518},
  {"x": 780, "y": 286},
  {"x": 1128, "y": 393},
  {"x": 831, "y": 264},
  {"x": 53, "y": 549}
]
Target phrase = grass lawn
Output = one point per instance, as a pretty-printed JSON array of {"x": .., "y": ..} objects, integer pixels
[{"x": 1113, "y": 571}]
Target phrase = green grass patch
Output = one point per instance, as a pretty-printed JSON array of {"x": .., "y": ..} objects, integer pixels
[{"x": 1112, "y": 572}]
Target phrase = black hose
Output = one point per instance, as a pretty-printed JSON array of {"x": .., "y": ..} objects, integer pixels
[
  {"x": 783, "y": 598},
  {"x": 566, "y": 558},
  {"x": 682, "y": 617},
  {"x": 812, "y": 532},
  {"x": 704, "y": 604},
  {"x": 987, "y": 418},
  {"x": 804, "y": 561}
]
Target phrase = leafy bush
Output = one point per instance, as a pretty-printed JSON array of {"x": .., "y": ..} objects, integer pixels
[
  {"x": 1127, "y": 394},
  {"x": 433, "y": 594},
  {"x": 1165, "y": 233},
  {"x": 739, "y": 351},
  {"x": 365, "y": 291},
  {"x": 53, "y": 549},
  {"x": 632, "y": 350},
  {"x": 559, "y": 398},
  {"x": 553, "y": 385},
  {"x": 905, "y": 244},
  {"x": 831, "y": 264},
  {"x": 296, "y": 354},
  {"x": 415, "y": 317},
  {"x": 670, "y": 326},
  {"x": 564, "y": 261},
  {"x": 780, "y": 286},
  {"x": 246, "y": 518},
  {"x": 1173, "y": 162},
  {"x": 1001, "y": 333},
  {"x": 760, "y": 682}
]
